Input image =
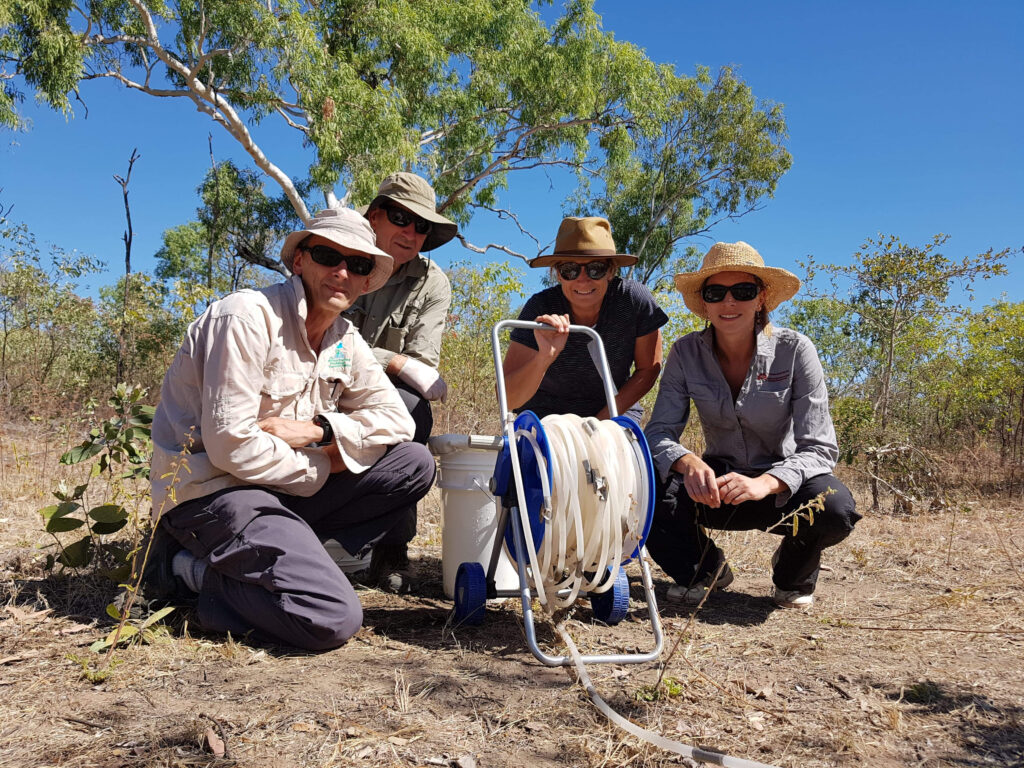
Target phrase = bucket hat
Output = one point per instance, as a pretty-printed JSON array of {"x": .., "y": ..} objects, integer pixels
[
  {"x": 584, "y": 239},
  {"x": 415, "y": 193},
  {"x": 344, "y": 227},
  {"x": 779, "y": 284}
]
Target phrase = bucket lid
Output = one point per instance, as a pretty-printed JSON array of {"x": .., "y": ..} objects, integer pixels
[{"x": 442, "y": 444}]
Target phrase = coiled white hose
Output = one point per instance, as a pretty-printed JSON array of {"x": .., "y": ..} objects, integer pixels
[{"x": 593, "y": 512}]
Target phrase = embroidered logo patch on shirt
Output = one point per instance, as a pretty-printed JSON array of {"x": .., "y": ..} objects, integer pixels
[{"x": 339, "y": 360}]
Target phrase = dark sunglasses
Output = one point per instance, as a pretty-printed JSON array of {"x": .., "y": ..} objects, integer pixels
[
  {"x": 713, "y": 294},
  {"x": 354, "y": 263},
  {"x": 570, "y": 270},
  {"x": 403, "y": 218}
]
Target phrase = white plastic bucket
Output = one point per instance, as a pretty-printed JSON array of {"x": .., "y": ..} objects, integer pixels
[
  {"x": 348, "y": 563},
  {"x": 469, "y": 515}
]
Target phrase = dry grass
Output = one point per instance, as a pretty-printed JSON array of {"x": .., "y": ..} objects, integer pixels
[{"x": 911, "y": 656}]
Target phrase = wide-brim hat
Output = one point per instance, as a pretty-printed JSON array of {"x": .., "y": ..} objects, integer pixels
[
  {"x": 415, "y": 193},
  {"x": 344, "y": 227},
  {"x": 584, "y": 239},
  {"x": 779, "y": 284}
]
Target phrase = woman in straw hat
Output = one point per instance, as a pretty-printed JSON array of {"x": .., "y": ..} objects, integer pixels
[
  {"x": 770, "y": 444},
  {"x": 552, "y": 371}
]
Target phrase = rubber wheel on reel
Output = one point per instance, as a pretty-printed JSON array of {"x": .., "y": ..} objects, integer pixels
[
  {"x": 470, "y": 594},
  {"x": 612, "y": 605}
]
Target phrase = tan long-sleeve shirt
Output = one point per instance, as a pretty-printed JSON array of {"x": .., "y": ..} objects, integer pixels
[{"x": 248, "y": 357}]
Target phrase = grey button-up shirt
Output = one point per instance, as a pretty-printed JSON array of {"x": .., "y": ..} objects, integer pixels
[
  {"x": 407, "y": 315},
  {"x": 779, "y": 424}
]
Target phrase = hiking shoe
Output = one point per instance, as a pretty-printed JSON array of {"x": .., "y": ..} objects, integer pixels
[
  {"x": 695, "y": 593},
  {"x": 791, "y": 598},
  {"x": 390, "y": 570},
  {"x": 159, "y": 586},
  {"x": 158, "y": 579}
]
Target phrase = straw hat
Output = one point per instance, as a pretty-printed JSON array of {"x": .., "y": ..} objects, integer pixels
[
  {"x": 779, "y": 284},
  {"x": 415, "y": 193},
  {"x": 584, "y": 239},
  {"x": 344, "y": 227}
]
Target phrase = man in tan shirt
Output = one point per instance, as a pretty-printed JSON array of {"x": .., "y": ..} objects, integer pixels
[{"x": 277, "y": 429}]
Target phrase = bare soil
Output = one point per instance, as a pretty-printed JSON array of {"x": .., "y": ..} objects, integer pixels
[{"x": 913, "y": 655}]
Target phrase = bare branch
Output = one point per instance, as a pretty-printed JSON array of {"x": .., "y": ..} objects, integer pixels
[
  {"x": 495, "y": 246},
  {"x": 507, "y": 214}
]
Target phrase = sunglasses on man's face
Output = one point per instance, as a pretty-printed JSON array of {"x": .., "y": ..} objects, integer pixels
[
  {"x": 354, "y": 263},
  {"x": 402, "y": 218},
  {"x": 570, "y": 270},
  {"x": 713, "y": 294}
]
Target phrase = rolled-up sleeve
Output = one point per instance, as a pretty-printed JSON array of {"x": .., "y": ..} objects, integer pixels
[
  {"x": 816, "y": 448},
  {"x": 670, "y": 415},
  {"x": 371, "y": 415},
  {"x": 235, "y": 350}
]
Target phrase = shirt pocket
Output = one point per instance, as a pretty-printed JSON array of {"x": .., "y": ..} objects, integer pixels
[
  {"x": 281, "y": 390},
  {"x": 769, "y": 412},
  {"x": 331, "y": 387},
  {"x": 393, "y": 339}
]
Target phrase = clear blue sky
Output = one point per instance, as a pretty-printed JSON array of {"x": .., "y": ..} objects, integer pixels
[{"x": 905, "y": 118}]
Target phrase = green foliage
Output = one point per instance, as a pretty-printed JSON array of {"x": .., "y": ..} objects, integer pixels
[
  {"x": 148, "y": 631},
  {"x": 667, "y": 688},
  {"x": 480, "y": 298},
  {"x": 888, "y": 335},
  {"x": 47, "y": 333},
  {"x": 119, "y": 449},
  {"x": 703, "y": 149},
  {"x": 233, "y": 243}
]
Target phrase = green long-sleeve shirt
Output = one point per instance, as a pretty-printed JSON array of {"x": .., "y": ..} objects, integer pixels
[{"x": 407, "y": 315}]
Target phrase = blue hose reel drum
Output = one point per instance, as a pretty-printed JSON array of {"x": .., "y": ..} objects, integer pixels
[{"x": 504, "y": 481}]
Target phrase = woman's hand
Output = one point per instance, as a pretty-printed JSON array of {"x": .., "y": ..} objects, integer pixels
[
  {"x": 551, "y": 343},
  {"x": 698, "y": 479},
  {"x": 734, "y": 488}
]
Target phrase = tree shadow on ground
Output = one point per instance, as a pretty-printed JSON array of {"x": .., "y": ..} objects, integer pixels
[
  {"x": 734, "y": 608},
  {"x": 993, "y": 734}
]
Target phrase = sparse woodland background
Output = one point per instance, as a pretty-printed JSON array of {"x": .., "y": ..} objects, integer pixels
[{"x": 927, "y": 389}]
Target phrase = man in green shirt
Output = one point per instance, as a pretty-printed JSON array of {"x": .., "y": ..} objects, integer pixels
[{"x": 404, "y": 320}]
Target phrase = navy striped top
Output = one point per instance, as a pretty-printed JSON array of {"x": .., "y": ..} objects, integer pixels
[{"x": 572, "y": 383}]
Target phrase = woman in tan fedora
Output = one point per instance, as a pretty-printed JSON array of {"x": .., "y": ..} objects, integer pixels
[
  {"x": 770, "y": 444},
  {"x": 552, "y": 371}
]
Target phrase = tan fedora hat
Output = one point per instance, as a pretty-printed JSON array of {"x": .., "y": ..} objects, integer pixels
[
  {"x": 779, "y": 284},
  {"x": 413, "y": 192},
  {"x": 344, "y": 227},
  {"x": 584, "y": 239}
]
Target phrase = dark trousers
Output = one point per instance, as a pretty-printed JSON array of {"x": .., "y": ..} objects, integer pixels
[
  {"x": 419, "y": 409},
  {"x": 687, "y": 554},
  {"x": 267, "y": 572}
]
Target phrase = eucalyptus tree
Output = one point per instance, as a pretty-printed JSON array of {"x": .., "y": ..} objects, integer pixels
[
  {"x": 704, "y": 150},
  {"x": 463, "y": 91},
  {"x": 467, "y": 90}
]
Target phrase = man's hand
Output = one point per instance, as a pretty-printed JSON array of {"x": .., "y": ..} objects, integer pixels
[
  {"x": 735, "y": 488},
  {"x": 297, "y": 434},
  {"x": 424, "y": 379}
]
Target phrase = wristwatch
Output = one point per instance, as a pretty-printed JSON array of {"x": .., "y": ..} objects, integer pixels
[{"x": 321, "y": 421}]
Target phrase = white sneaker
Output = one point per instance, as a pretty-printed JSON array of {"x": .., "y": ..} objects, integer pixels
[
  {"x": 790, "y": 598},
  {"x": 693, "y": 595}
]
